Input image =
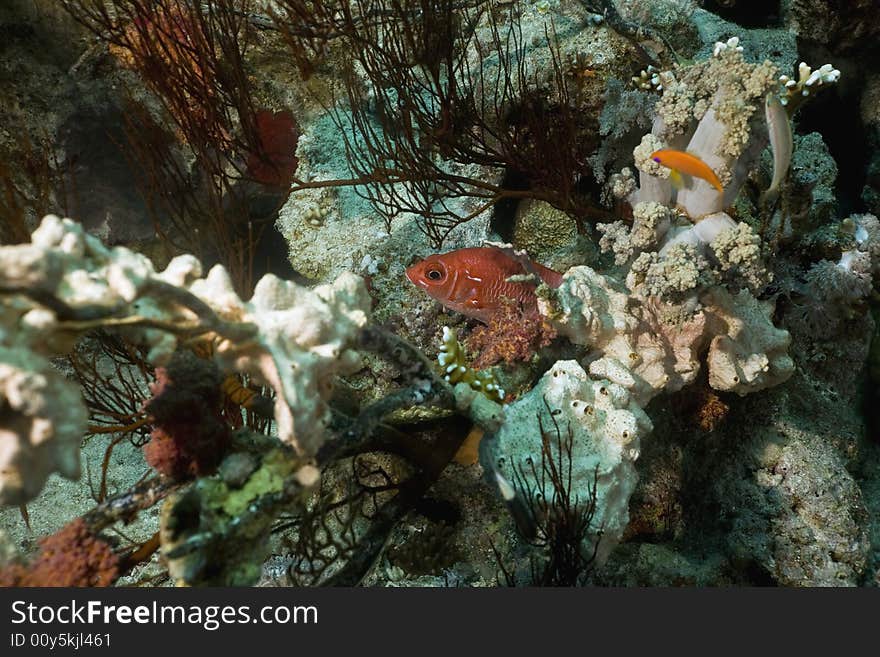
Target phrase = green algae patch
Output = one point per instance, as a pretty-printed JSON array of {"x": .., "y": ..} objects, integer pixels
[{"x": 267, "y": 480}]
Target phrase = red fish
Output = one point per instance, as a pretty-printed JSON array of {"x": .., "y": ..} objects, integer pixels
[{"x": 474, "y": 281}]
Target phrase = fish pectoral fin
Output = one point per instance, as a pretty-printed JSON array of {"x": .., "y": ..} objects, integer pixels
[{"x": 465, "y": 296}]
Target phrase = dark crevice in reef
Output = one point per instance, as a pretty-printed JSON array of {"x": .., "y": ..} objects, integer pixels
[
  {"x": 834, "y": 113},
  {"x": 504, "y": 212},
  {"x": 748, "y": 13}
]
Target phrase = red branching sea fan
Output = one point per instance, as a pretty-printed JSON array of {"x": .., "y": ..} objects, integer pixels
[
  {"x": 275, "y": 163},
  {"x": 72, "y": 556},
  {"x": 189, "y": 436}
]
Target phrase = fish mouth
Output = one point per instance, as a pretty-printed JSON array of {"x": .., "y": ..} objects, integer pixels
[{"x": 409, "y": 276}]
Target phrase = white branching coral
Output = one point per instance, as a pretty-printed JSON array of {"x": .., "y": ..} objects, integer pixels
[
  {"x": 42, "y": 420},
  {"x": 732, "y": 44},
  {"x": 289, "y": 337},
  {"x": 808, "y": 81},
  {"x": 301, "y": 342}
]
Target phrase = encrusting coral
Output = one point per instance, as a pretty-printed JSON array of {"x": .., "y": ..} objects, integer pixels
[
  {"x": 72, "y": 556},
  {"x": 607, "y": 425},
  {"x": 513, "y": 334}
]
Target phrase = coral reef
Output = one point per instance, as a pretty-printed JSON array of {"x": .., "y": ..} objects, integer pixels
[{"x": 685, "y": 402}]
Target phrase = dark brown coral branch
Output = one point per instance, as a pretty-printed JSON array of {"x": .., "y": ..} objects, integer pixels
[{"x": 433, "y": 112}]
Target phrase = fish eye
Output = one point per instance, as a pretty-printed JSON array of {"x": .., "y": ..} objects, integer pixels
[{"x": 434, "y": 274}]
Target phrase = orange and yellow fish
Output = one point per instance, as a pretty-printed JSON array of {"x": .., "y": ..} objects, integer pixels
[
  {"x": 680, "y": 162},
  {"x": 474, "y": 281}
]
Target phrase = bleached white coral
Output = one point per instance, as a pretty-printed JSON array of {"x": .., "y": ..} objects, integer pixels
[
  {"x": 292, "y": 338},
  {"x": 301, "y": 343},
  {"x": 607, "y": 427},
  {"x": 643, "y": 345},
  {"x": 747, "y": 353},
  {"x": 42, "y": 420},
  {"x": 633, "y": 346}
]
